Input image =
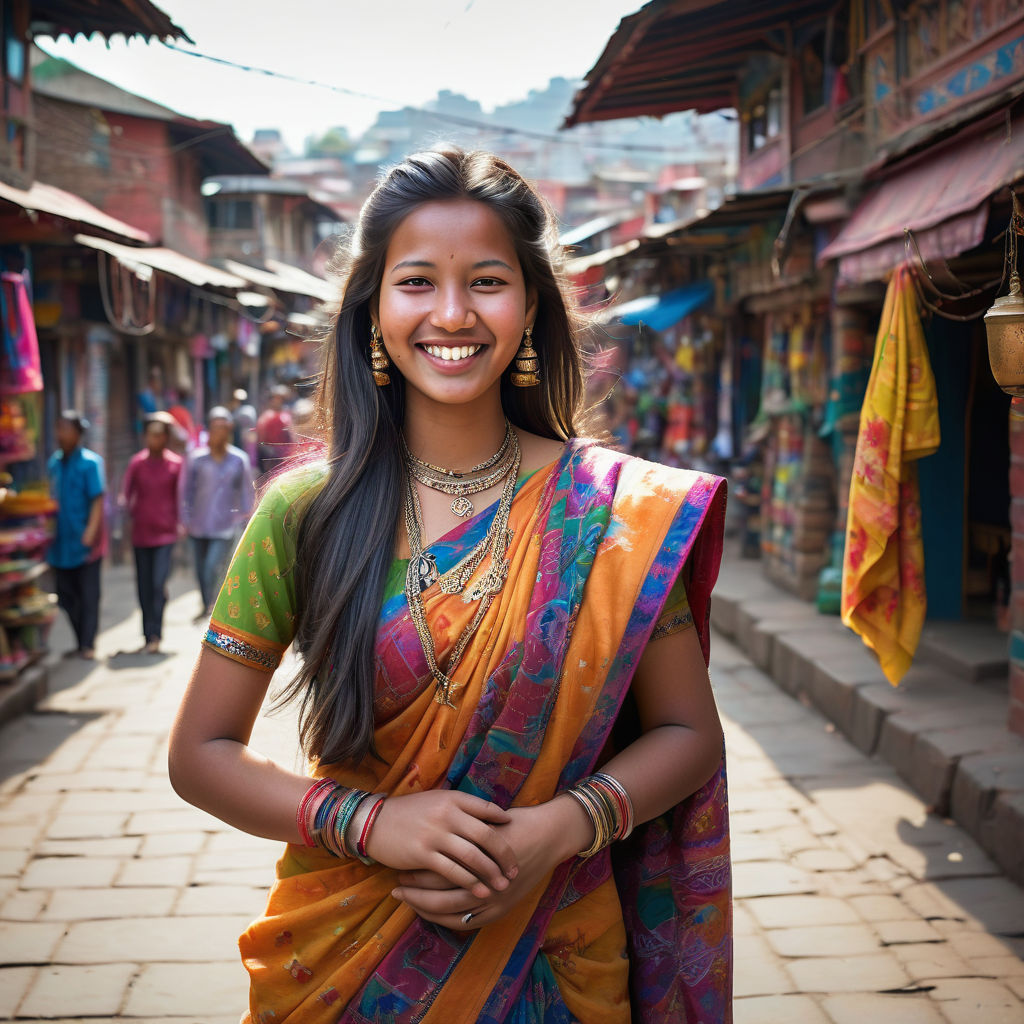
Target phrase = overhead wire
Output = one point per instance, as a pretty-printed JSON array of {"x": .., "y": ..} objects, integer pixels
[{"x": 565, "y": 138}]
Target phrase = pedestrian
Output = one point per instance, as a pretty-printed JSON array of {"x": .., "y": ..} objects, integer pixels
[
  {"x": 245, "y": 423},
  {"x": 273, "y": 430},
  {"x": 77, "y": 483},
  {"x": 503, "y": 633},
  {"x": 185, "y": 433},
  {"x": 150, "y": 492},
  {"x": 217, "y": 498}
]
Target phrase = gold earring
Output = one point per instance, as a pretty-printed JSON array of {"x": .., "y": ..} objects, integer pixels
[
  {"x": 527, "y": 364},
  {"x": 378, "y": 358}
]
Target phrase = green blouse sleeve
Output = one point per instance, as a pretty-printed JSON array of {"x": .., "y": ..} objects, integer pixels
[
  {"x": 675, "y": 616},
  {"x": 253, "y": 621}
]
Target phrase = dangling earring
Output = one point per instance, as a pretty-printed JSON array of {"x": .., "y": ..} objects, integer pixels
[
  {"x": 527, "y": 364},
  {"x": 378, "y": 358}
]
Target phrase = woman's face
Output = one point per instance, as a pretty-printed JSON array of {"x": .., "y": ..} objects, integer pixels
[{"x": 453, "y": 303}]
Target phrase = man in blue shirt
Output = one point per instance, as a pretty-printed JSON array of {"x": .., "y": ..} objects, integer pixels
[{"x": 76, "y": 482}]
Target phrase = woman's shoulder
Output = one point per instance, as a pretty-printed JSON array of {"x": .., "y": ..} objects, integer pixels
[
  {"x": 635, "y": 474},
  {"x": 291, "y": 489}
]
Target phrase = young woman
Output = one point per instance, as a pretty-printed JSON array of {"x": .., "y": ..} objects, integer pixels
[{"x": 516, "y": 802}]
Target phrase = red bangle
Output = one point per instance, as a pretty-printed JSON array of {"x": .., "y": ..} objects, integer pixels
[
  {"x": 302, "y": 812},
  {"x": 367, "y": 825}
]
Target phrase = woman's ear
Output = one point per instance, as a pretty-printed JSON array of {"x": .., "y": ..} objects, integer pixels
[{"x": 531, "y": 305}]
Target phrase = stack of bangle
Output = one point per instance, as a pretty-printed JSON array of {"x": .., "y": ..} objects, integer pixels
[
  {"x": 609, "y": 808},
  {"x": 329, "y": 815}
]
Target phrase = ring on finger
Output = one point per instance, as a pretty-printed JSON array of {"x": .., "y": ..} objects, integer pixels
[{"x": 466, "y": 918}]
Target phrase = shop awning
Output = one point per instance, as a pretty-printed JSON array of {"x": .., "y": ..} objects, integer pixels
[
  {"x": 942, "y": 198},
  {"x": 56, "y": 202},
  {"x": 581, "y": 264},
  {"x": 175, "y": 264},
  {"x": 683, "y": 55},
  {"x": 284, "y": 278},
  {"x": 660, "y": 312}
]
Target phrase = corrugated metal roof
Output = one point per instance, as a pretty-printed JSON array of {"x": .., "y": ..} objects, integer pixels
[
  {"x": 202, "y": 275},
  {"x": 110, "y": 18},
  {"x": 682, "y": 55},
  {"x": 56, "y": 202}
]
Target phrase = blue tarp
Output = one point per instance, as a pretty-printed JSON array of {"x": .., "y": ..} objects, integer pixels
[{"x": 660, "y": 312}]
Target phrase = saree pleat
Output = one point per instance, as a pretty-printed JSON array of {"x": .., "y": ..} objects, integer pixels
[{"x": 598, "y": 542}]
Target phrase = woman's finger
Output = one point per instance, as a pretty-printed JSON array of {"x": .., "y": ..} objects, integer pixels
[
  {"x": 473, "y": 858},
  {"x": 437, "y": 901},
  {"x": 496, "y": 847},
  {"x": 484, "y": 810},
  {"x": 432, "y": 880},
  {"x": 458, "y": 876},
  {"x": 424, "y": 880},
  {"x": 458, "y": 922}
]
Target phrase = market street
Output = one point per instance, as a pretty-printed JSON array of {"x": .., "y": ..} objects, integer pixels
[{"x": 118, "y": 901}]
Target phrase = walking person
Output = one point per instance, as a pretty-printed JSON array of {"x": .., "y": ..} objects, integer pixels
[
  {"x": 273, "y": 430},
  {"x": 515, "y": 805},
  {"x": 244, "y": 415},
  {"x": 150, "y": 492},
  {"x": 77, "y": 483},
  {"x": 217, "y": 497}
]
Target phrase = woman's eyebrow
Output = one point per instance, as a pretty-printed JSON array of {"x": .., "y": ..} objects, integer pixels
[
  {"x": 413, "y": 263},
  {"x": 433, "y": 266}
]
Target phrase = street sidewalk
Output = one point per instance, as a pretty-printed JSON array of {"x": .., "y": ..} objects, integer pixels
[{"x": 118, "y": 902}]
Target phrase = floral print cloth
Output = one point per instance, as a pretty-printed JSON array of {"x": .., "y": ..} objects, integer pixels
[{"x": 883, "y": 566}]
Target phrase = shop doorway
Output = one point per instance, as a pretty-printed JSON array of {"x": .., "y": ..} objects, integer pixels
[{"x": 965, "y": 487}]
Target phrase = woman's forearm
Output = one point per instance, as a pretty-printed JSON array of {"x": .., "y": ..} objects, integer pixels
[
  {"x": 241, "y": 787},
  {"x": 664, "y": 766},
  {"x": 658, "y": 770}
]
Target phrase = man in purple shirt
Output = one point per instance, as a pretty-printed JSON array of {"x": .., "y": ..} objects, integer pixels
[
  {"x": 150, "y": 493},
  {"x": 216, "y": 501}
]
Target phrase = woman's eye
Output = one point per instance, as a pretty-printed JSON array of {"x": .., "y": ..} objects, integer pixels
[
  {"x": 415, "y": 282},
  {"x": 488, "y": 282}
]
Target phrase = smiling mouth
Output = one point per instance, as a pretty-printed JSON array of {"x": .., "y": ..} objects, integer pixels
[{"x": 452, "y": 353}]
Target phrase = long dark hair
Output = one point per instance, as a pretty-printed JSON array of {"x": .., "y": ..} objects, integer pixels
[{"x": 346, "y": 536}]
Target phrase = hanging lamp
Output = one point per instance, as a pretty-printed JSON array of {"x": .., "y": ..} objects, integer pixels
[{"x": 1004, "y": 322}]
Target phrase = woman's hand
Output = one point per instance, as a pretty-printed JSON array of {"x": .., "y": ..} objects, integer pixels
[
  {"x": 542, "y": 837},
  {"x": 454, "y": 836}
]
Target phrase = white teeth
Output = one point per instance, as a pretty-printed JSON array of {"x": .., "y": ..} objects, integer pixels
[{"x": 449, "y": 354}]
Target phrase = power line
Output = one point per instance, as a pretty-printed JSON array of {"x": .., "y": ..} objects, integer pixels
[{"x": 563, "y": 139}]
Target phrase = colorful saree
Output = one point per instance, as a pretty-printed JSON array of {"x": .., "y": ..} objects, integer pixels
[{"x": 641, "y": 932}]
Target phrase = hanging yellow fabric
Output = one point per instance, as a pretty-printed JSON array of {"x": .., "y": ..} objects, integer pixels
[{"x": 883, "y": 565}]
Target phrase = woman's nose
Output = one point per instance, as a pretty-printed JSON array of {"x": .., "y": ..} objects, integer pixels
[{"x": 452, "y": 312}]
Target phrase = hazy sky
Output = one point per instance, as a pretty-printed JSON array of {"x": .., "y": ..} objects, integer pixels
[{"x": 399, "y": 51}]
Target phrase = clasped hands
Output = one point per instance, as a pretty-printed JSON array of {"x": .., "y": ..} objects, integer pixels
[{"x": 460, "y": 855}]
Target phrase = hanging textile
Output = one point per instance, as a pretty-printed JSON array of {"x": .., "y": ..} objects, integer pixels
[
  {"x": 883, "y": 566},
  {"x": 19, "y": 361}
]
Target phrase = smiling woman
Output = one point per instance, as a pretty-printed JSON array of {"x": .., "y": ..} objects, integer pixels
[{"x": 515, "y": 808}]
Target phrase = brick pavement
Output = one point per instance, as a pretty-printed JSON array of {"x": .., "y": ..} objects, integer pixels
[{"x": 118, "y": 902}]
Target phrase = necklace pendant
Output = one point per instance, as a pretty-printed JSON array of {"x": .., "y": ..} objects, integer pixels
[
  {"x": 450, "y": 584},
  {"x": 426, "y": 570},
  {"x": 462, "y": 507}
]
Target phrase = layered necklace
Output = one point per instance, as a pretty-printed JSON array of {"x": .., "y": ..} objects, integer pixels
[
  {"x": 463, "y": 483},
  {"x": 422, "y": 569}
]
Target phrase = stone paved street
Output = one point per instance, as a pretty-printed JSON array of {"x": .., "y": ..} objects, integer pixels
[{"x": 118, "y": 902}]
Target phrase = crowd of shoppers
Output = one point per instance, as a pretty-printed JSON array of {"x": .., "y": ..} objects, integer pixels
[{"x": 190, "y": 480}]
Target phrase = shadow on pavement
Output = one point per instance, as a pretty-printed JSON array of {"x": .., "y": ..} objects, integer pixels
[
  {"x": 136, "y": 659},
  {"x": 30, "y": 739}
]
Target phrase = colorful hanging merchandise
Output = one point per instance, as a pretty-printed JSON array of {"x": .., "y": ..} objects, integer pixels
[
  {"x": 883, "y": 568},
  {"x": 19, "y": 366}
]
